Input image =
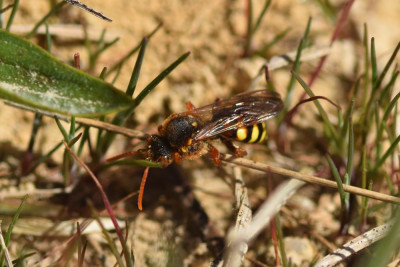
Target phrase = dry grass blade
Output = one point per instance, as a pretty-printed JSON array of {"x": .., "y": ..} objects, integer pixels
[
  {"x": 311, "y": 179},
  {"x": 36, "y": 192},
  {"x": 244, "y": 214},
  {"x": 5, "y": 250},
  {"x": 260, "y": 221},
  {"x": 112, "y": 128},
  {"x": 355, "y": 245},
  {"x": 235, "y": 255},
  {"x": 89, "y": 9}
]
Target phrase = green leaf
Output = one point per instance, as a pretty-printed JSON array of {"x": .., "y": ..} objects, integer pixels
[{"x": 30, "y": 76}]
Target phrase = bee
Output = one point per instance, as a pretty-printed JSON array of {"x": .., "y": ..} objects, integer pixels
[{"x": 186, "y": 135}]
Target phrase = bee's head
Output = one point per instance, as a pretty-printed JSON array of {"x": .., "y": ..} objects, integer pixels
[{"x": 158, "y": 149}]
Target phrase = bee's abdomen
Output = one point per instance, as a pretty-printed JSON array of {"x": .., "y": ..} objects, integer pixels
[{"x": 250, "y": 134}]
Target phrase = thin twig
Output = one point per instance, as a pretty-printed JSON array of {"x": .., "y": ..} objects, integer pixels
[
  {"x": 311, "y": 179},
  {"x": 112, "y": 128},
  {"x": 240, "y": 161},
  {"x": 6, "y": 8},
  {"x": 104, "y": 195},
  {"x": 85, "y": 121}
]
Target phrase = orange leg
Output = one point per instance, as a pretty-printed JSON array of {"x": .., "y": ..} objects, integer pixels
[
  {"x": 237, "y": 151},
  {"x": 141, "y": 191},
  {"x": 215, "y": 155},
  {"x": 165, "y": 162},
  {"x": 177, "y": 157},
  {"x": 190, "y": 105}
]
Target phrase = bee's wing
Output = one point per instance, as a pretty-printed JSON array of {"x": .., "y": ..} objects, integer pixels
[{"x": 241, "y": 110}]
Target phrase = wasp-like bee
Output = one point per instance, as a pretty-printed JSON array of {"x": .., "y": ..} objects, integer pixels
[
  {"x": 186, "y": 135},
  {"x": 241, "y": 118}
]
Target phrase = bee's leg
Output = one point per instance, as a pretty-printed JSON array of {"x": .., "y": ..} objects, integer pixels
[
  {"x": 177, "y": 157},
  {"x": 190, "y": 105},
  {"x": 141, "y": 190},
  {"x": 214, "y": 154},
  {"x": 237, "y": 151},
  {"x": 165, "y": 162}
]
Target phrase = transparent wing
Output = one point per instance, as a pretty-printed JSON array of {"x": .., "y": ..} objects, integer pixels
[{"x": 244, "y": 109}]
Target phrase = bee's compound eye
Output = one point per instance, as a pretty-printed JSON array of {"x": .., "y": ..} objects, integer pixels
[{"x": 159, "y": 148}]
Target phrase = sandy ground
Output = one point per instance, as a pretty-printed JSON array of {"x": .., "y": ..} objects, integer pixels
[{"x": 214, "y": 33}]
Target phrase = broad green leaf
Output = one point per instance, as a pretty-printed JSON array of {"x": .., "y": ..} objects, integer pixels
[{"x": 30, "y": 76}]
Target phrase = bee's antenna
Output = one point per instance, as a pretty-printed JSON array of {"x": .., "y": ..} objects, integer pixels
[
  {"x": 126, "y": 154},
  {"x": 141, "y": 190}
]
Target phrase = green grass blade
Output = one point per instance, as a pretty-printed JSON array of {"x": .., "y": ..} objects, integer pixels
[
  {"x": 1, "y": 14},
  {"x": 118, "y": 72},
  {"x": 374, "y": 64},
  {"x": 62, "y": 129},
  {"x": 73, "y": 140},
  {"x": 136, "y": 70},
  {"x": 385, "y": 117},
  {"x": 390, "y": 185},
  {"x": 343, "y": 195},
  {"x": 261, "y": 16},
  {"x": 394, "y": 127},
  {"x": 44, "y": 158},
  {"x": 350, "y": 149},
  {"x": 20, "y": 261},
  {"x": 106, "y": 235},
  {"x": 381, "y": 125},
  {"x": 364, "y": 200},
  {"x": 387, "y": 66},
  {"x": 12, "y": 15},
  {"x": 262, "y": 52},
  {"x": 119, "y": 64},
  {"x": 388, "y": 152},
  {"x": 159, "y": 78},
  {"x": 31, "y": 76},
  {"x": 100, "y": 42},
  {"x": 35, "y": 127},
  {"x": 93, "y": 57},
  {"x": 72, "y": 128},
  {"x": 328, "y": 10},
  {"x": 135, "y": 162},
  {"x": 11, "y": 227},
  {"x": 386, "y": 92},
  {"x": 249, "y": 28},
  {"x": 366, "y": 65},
  {"x": 296, "y": 68},
  {"x": 376, "y": 81},
  {"x": 322, "y": 112},
  {"x": 45, "y": 18},
  {"x": 350, "y": 106},
  {"x": 85, "y": 138},
  {"x": 103, "y": 73},
  {"x": 281, "y": 244},
  {"x": 121, "y": 117},
  {"x": 48, "y": 38}
]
